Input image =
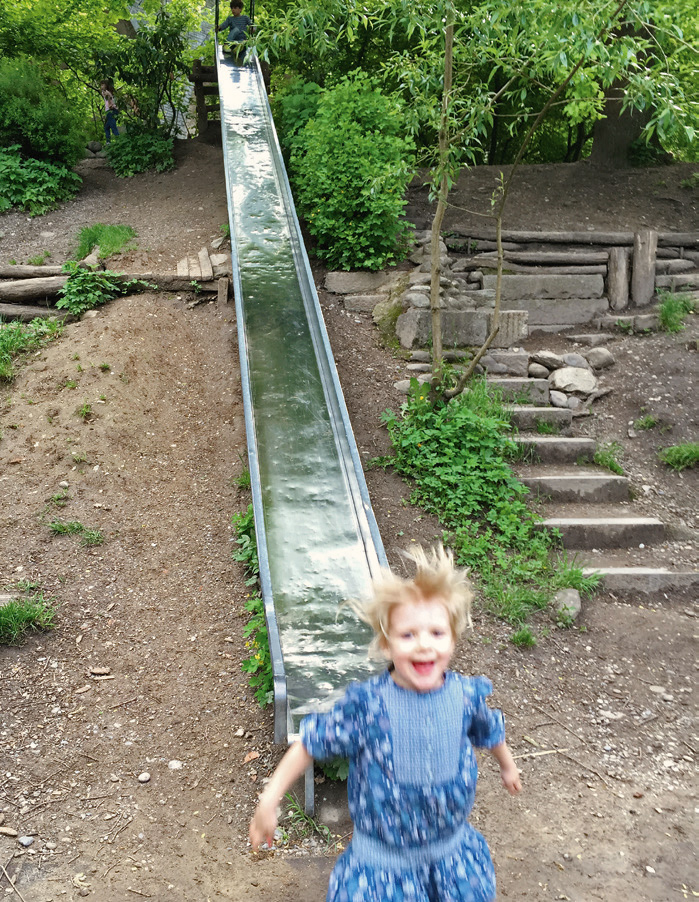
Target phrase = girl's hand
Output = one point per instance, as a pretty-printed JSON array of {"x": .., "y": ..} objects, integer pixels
[
  {"x": 263, "y": 825},
  {"x": 510, "y": 777}
]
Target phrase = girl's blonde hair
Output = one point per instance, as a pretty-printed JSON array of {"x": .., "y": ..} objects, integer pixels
[{"x": 436, "y": 578}]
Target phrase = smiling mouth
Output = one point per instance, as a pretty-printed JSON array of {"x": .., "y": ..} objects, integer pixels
[{"x": 423, "y": 668}]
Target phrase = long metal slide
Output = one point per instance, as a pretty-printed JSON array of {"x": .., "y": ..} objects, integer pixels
[{"x": 317, "y": 539}]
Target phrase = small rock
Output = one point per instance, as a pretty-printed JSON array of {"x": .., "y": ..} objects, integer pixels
[
  {"x": 576, "y": 360},
  {"x": 175, "y": 764},
  {"x": 50, "y": 846},
  {"x": 144, "y": 777},
  {"x": 567, "y": 604},
  {"x": 217, "y": 242},
  {"x": 548, "y": 359},
  {"x": 649, "y": 869},
  {"x": 25, "y": 841},
  {"x": 558, "y": 399},
  {"x": 600, "y": 358},
  {"x": 538, "y": 371},
  {"x": 657, "y": 690},
  {"x": 574, "y": 403},
  {"x": 94, "y": 146},
  {"x": 239, "y": 733},
  {"x": 7, "y": 831}
]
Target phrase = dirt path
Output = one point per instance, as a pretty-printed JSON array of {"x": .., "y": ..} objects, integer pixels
[{"x": 600, "y": 714}]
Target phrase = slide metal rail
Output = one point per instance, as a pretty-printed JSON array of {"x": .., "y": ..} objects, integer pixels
[{"x": 317, "y": 538}]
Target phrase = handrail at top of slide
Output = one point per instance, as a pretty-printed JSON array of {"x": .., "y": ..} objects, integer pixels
[{"x": 317, "y": 538}]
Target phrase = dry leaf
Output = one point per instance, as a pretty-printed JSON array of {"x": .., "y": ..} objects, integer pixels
[{"x": 250, "y": 757}]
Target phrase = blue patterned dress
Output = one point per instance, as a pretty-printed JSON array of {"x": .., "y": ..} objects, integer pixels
[{"x": 411, "y": 787}]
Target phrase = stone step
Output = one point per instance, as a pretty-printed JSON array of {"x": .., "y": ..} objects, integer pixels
[
  {"x": 644, "y": 580},
  {"x": 607, "y": 532},
  {"x": 556, "y": 449},
  {"x": 587, "y": 486},
  {"x": 526, "y": 417},
  {"x": 515, "y": 389}
]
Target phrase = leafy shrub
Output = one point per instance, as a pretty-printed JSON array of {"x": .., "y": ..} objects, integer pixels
[
  {"x": 350, "y": 166},
  {"x": 294, "y": 107},
  {"x": 139, "y": 151},
  {"x": 457, "y": 456},
  {"x": 680, "y": 457},
  {"x": 33, "y": 185},
  {"x": 86, "y": 288},
  {"x": 35, "y": 115},
  {"x": 258, "y": 664}
]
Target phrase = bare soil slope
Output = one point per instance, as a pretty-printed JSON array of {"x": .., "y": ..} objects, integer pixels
[{"x": 600, "y": 716}]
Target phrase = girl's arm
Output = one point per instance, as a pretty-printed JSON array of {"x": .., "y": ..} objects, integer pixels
[
  {"x": 289, "y": 769},
  {"x": 508, "y": 769}
]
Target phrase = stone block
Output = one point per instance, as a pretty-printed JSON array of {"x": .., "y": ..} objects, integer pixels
[
  {"x": 521, "y": 286},
  {"x": 360, "y": 282},
  {"x": 561, "y": 311},
  {"x": 514, "y": 363},
  {"x": 362, "y": 303},
  {"x": 460, "y": 328},
  {"x": 514, "y": 328},
  {"x": 645, "y": 322}
]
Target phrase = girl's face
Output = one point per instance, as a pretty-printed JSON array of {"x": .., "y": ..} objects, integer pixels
[{"x": 420, "y": 644}]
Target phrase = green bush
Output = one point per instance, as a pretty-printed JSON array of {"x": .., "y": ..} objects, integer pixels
[
  {"x": 36, "y": 115},
  {"x": 674, "y": 308},
  {"x": 87, "y": 288},
  {"x": 350, "y": 168},
  {"x": 293, "y": 108},
  {"x": 140, "y": 151},
  {"x": 33, "y": 185},
  {"x": 681, "y": 457}
]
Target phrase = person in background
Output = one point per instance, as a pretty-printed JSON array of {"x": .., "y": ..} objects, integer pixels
[
  {"x": 110, "y": 110},
  {"x": 237, "y": 25}
]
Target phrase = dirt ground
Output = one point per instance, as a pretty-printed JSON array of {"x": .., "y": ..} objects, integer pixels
[{"x": 600, "y": 716}]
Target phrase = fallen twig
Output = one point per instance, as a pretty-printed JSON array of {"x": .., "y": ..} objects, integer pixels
[
  {"x": 539, "y": 754},
  {"x": 9, "y": 880},
  {"x": 585, "y": 767},
  {"x": 121, "y": 704},
  {"x": 559, "y": 722}
]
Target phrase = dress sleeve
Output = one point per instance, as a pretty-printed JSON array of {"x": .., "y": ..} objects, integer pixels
[
  {"x": 336, "y": 734},
  {"x": 487, "y": 727}
]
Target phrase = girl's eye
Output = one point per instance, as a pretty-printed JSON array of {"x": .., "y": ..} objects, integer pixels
[
  {"x": 406, "y": 635},
  {"x": 438, "y": 634}
]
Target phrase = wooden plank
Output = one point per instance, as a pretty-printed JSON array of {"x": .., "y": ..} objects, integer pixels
[
  {"x": 645, "y": 244},
  {"x": 551, "y": 258},
  {"x": 26, "y": 289},
  {"x": 20, "y": 271},
  {"x": 183, "y": 267},
  {"x": 223, "y": 290},
  {"x": 207, "y": 271},
  {"x": 618, "y": 278},
  {"x": 25, "y": 313},
  {"x": 194, "y": 267}
]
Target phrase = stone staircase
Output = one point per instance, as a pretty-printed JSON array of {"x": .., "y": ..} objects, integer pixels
[{"x": 592, "y": 508}]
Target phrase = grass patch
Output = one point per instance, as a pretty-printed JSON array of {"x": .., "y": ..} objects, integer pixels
[
  {"x": 543, "y": 427},
  {"x": 523, "y": 638},
  {"x": 457, "y": 456},
  {"x": 647, "y": 421},
  {"x": 18, "y": 339},
  {"x": 607, "y": 456},
  {"x": 39, "y": 259},
  {"x": 84, "y": 411},
  {"x": 674, "y": 309},
  {"x": 88, "y": 537},
  {"x": 110, "y": 239},
  {"x": 680, "y": 457},
  {"x": 28, "y": 612}
]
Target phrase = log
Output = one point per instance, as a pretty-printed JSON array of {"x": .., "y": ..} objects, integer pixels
[
  {"x": 562, "y": 258},
  {"x": 618, "y": 278},
  {"x": 25, "y": 313},
  {"x": 678, "y": 282},
  {"x": 645, "y": 244},
  {"x": 26, "y": 289},
  {"x": 545, "y": 270},
  {"x": 674, "y": 266},
  {"x": 612, "y": 239},
  {"x": 21, "y": 271}
]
